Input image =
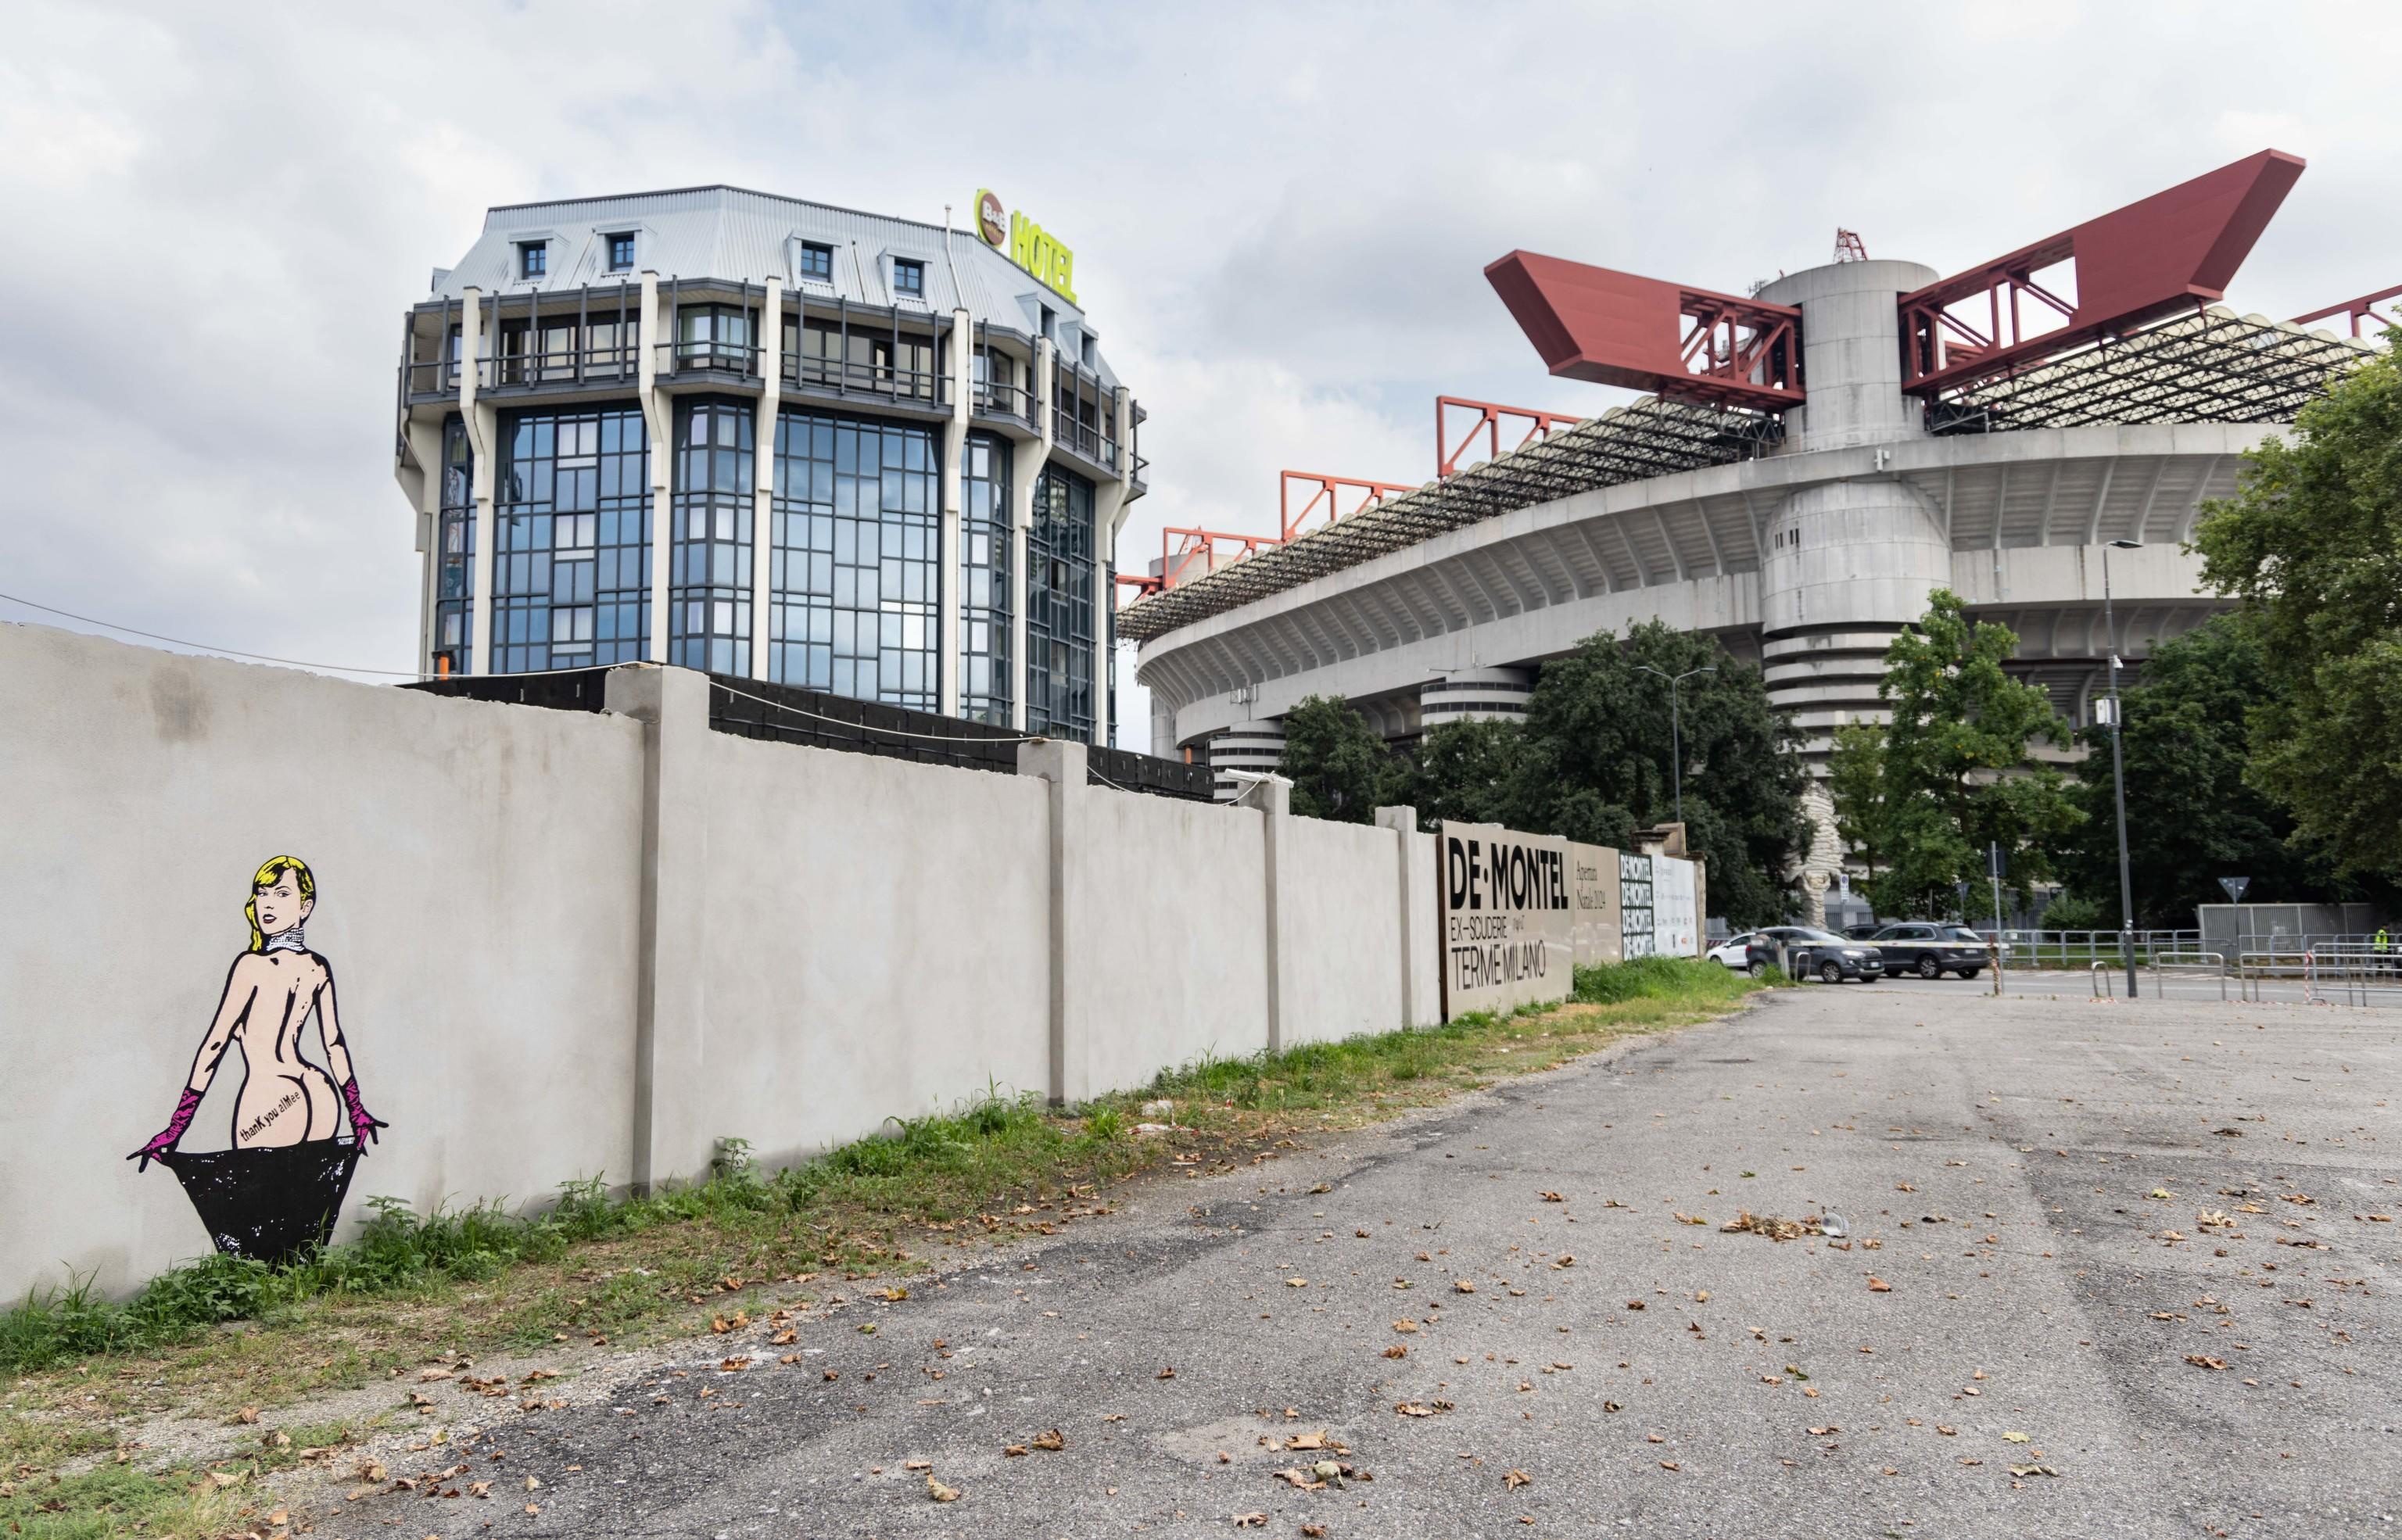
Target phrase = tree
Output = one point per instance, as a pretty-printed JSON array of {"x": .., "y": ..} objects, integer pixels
[
  {"x": 2192, "y": 816},
  {"x": 1336, "y": 762},
  {"x": 1949, "y": 771},
  {"x": 1469, "y": 772},
  {"x": 2313, "y": 542},
  {"x": 1599, "y": 758}
]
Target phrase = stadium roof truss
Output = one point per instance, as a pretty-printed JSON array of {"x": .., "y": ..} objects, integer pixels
[
  {"x": 2214, "y": 366},
  {"x": 1652, "y": 437}
]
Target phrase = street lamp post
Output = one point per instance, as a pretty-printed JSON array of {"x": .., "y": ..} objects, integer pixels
[
  {"x": 2119, "y": 774},
  {"x": 1676, "y": 729}
]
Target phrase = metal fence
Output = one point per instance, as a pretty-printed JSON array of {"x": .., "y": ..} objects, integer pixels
[
  {"x": 751, "y": 708},
  {"x": 2071, "y": 950}
]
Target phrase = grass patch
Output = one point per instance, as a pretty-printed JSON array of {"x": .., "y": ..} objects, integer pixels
[{"x": 222, "y": 1337}]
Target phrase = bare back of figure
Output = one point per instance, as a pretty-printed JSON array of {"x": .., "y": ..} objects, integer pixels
[{"x": 285, "y": 1098}]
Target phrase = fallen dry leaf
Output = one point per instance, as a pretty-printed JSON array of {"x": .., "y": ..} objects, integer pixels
[
  {"x": 1250, "y": 1520},
  {"x": 2202, "y": 1360},
  {"x": 1405, "y": 1327},
  {"x": 1051, "y": 1439},
  {"x": 940, "y": 1493},
  {"x": 1878, "y": 1285},
  {"x": 1516, "y": 1479},
  {"x": 1013, "y": 1450},
  {"x": 1167, "y": 1373},
  {"x": 733, "y": 1365},
  {"x": 1397, "y": 1350},
  {"x": 1553, "y": 1198},
  {"x": 1315, "y": 1531},
  {"x": 1462, "y": 1285},
  {"x": 2014, "y": 1438}
]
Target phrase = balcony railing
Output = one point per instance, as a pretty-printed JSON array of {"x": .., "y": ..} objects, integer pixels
[
  {"x": 867, "y": 377},
  {"x": 993, "y": 399},
  {"x": 1087, "y": 439}
]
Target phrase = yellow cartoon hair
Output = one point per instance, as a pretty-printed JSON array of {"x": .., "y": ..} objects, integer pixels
[{"x": 275, "y": 867}]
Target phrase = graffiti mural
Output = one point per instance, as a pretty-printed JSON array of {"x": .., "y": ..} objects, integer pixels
[{"x": 276, "y": 1190}]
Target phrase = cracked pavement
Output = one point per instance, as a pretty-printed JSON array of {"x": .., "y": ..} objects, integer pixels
[{"x": 1999, "y": 1165}]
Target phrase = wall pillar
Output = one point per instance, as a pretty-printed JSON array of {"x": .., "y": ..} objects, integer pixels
[
  {"x": 762, "y": 459},
  {"x": 425, "y": 449},
  {"x": 671, "y": 1098},
  {"x": 656, "y": 411},
  {"x": 1062, "y": 763},
  {"x": 1417, "y": 895},
  {"x": 1273, "y": 797},
  {"x": 947, "y": 596}
]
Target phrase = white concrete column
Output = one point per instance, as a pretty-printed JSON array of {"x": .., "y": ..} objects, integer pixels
[
  {"x": 1111, "y": 501},
  {"x": 657, "y": 414},
  {"x": 946, "y": 569},
  {"x": 673, "y": 1135},
  {"x": 1027, "y": 460},
  {"x": 1062, "y": 765},
  {"x": 425, "y": 482},
  {"x": 763, "y": 460},
  {"x": 480, "y": 421}
]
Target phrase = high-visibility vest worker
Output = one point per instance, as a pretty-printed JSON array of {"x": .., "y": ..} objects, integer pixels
[{"x": 2381, "y": 943}]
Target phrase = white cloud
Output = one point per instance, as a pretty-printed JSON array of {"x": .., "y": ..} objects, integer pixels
[{"x": 1280, "y": 216}]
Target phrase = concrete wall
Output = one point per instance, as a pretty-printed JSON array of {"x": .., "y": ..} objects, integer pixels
[
  {"x": 572, "y": 945},
  {"x": 477, "y": 883}
]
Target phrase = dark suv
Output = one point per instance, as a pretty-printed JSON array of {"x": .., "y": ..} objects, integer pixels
[
  {"x": 1830, "y": 958},
  {"x": 1930, "y": 950}
]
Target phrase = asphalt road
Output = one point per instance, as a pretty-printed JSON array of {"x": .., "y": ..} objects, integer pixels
[{"x": 2077, "y": 1212}]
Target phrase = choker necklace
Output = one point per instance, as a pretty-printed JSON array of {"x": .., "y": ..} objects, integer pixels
[{"x": 289, "y": 940}]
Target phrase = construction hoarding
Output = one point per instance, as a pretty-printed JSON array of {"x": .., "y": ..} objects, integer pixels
[{"x": 1506, "y": 919}]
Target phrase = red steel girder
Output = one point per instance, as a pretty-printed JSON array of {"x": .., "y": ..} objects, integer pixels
[
  {"x": 1143, "y": 585},
  {"x": 2165, "y": 252},
  {"x": 1325, "y": 490},
  {"x": 1688, "y": 344},
  {"x": 2360, "y": 309},
  {"x": 1188, "y": 554},
  {"x": 1490, "y": 415}
]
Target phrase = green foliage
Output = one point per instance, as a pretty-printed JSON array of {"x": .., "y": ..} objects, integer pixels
[
  {"x": 1921, "y": 796},
  {"x": 2073, "y": 912},
  {"x": 986, "y": 1146},
  {"x": 1658, "y": 978},
  {"x": 1336, "y": 762},
  {"x": 2313, "y": 542},
  {"x": 1467, "y": 772},
  {"x": 2192, "y": 815}
]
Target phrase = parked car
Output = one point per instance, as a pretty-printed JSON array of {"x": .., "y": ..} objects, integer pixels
[
  {"x": 1734, "y": 952},
  {"x": 1864, "y": 932},
  {"x": 1811, "y": 952},
  {"x": 1931, "y": 949}
]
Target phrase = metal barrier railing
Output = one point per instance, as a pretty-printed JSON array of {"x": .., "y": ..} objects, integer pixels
[
  {"x": 2361, "y": 973},
  {"x": 2104, "y": 971}
]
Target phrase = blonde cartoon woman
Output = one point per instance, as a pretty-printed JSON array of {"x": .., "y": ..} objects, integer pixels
[{"x": 276, "y": 1192}]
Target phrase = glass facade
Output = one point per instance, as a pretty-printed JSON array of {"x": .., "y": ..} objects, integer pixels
[
  {"x": 985, "y": 685},
  {"x": 708, "y": 615},
  {"x": 1059, "y": 608},
  {"x": 454, "y": 569},
  {"x": 855, "y": 574},
  {"x": 571, "y": 557}
]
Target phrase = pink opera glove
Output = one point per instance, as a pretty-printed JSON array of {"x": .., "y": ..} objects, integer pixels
[
  {"x": 186, "y": 1105},
  {"x": 363, "y": 1127}
]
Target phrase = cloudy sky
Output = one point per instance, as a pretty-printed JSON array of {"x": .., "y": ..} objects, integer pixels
[{"x": 218, "y": 214}]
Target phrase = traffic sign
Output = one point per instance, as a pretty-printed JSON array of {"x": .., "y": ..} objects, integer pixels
[{"x": 2235, "y": 887}]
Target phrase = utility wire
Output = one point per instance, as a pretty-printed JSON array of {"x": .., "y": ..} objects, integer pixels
[{"x": 203, "y": 646}]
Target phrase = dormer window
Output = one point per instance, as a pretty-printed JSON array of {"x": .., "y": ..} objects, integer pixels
[
  {"x": 533, "y": 258},
  {"x": 1088, "y": 349},
  {"x": 817, "y": 261},
  {"x": 908, "y": 278},
  {"x": 621, "y": 251}
]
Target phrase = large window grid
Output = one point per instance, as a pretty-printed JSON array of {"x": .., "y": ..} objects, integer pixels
[
  {"x": 571, "y": 559},
  {"x": 856, "y": 573},
  {"x": 454, "y": 562},
  {"x": 984, "y": 684},
  {"x": 710, "y": 575},
  {"x": 1059, "y": 608}
]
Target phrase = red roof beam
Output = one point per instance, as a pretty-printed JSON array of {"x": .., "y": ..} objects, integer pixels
[
  {"x": 1688, "y": 344},
  {"x": 1327, "y": 489},
  {"x": 2173, "y": 250},
  {"x": 1198, "y": 556},
  {"x": 1490, "y": 415},
  {"x": 2363, "y": 309}
]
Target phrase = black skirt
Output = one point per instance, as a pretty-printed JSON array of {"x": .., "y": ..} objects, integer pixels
[{"x": 269, "y": 1203}]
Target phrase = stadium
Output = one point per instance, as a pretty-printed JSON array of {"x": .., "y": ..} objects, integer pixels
[{"x": 1812, "y": 463}]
